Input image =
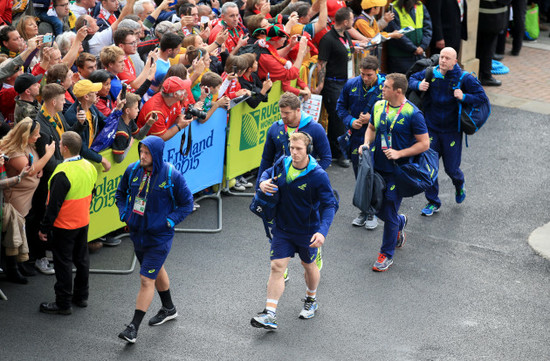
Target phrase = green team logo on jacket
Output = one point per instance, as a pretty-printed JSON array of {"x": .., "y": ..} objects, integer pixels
[
  {"x": 354, "y": 90},
  {"x": 303, "y": 186}
]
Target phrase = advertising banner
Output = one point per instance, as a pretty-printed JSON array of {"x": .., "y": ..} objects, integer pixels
[
  {"x": 203, "y": 166},
  {"x": 247, "y": 131},
  {"x": 103, "y": 210}
]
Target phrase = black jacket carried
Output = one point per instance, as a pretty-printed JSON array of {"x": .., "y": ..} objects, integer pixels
[{"x": 370, "y": 186}]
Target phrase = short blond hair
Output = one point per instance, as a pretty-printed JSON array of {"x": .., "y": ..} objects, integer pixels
[
  {"x": 110, "y": 54},
  {"x": 304, "y": 137}
]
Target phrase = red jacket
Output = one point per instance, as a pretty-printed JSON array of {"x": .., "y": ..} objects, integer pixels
[{"x": 268, "y": 64}]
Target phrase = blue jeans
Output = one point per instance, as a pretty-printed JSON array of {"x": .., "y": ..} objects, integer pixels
[{"x": 52, "y": 20}]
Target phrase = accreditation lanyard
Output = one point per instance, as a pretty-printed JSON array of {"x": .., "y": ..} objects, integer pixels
[
  {"x": 349, "y": 62},
  {"x": 388, "y": 144},
  {"x": 140, "y": 202}
]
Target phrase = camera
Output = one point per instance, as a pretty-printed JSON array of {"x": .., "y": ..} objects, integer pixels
[{"x": 193, "y": 112}]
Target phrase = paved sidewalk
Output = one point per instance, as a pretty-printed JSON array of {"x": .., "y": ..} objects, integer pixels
[{"x": 527, "y": 87}]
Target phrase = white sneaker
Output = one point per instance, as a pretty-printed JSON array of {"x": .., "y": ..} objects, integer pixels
[
  {"x": 239, "y": 187},
  {"x": 242, "y": 181},
  {"x": 310, "y": 306},
  {"x": 371, "y": 222},
  {"x": 43, "y": 266},
  {"x": 360, "y": 220}
]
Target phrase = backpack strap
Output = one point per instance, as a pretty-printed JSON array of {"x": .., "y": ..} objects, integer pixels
[{"x": 458, "y": 85}]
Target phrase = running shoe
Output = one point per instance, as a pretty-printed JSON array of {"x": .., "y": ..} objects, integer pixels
[
  {"x": 430, "y": 209},
  {"x": 264, "y": 320},
  {"x": 162, "y": 316},
  {"x": 360, "y": 220},
  {"x": 460, "y": 194},
  {"x": 129, "y": 334},
  {"x": 310, "y": 306},
  {"x": 382, "y": 263},
  {"x": 44, "y": 266},
  {"x": 401, "y": 237},
  {"x": 371, "y": 222}
]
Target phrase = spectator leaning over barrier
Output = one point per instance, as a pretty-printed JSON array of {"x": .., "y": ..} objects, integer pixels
[
  {"x": 66, "y": 225},
  {"x": 98, "y": 39},
  {"x": 250, "y": 80},
  {"x": 230, "y": 20},
  {"x": 52, "y": 126},
  {"x": 210, "y": 85},
  {"x": 28, "y": 88},
  {"x": 151, "y": 217},
  {"x": 234, "y": 68},
  {"x": 86, "y": 64},
  {"x": 167, "y": 105},
  {"x": 271, "y": 63},
  {"x": 127, "y": 129},
  {"x": 354, "y": 107},
  {"x": 335, "y": 68},
  {"x": 87, "y": 120}
]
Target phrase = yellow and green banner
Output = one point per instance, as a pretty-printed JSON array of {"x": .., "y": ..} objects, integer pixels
[
  {"x": 247, "y": 132},
  {"x": 103, "y": 210}
]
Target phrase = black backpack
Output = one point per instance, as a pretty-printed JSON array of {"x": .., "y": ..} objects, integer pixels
[{"x": 415, "y": 96}]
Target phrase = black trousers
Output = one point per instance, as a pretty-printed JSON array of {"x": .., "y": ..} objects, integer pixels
[
  {"x": 517, "y": 28},
  {"x": 486, "y": 44},
  {"x": 37, "y": 248},
  {"x": 70, "y": 246},
  {"x": 331, "y": 93}
]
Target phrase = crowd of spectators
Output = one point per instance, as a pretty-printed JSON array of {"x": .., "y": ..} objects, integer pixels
[{"x": 82, "y": 65}]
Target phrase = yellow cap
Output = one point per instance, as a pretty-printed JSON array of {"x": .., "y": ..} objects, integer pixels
[
  {"x": 85, "y": 87},
  {"x": 367, "y": 4}
]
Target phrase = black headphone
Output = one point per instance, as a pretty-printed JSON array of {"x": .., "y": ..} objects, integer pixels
[{"x": 309, "y": 148}]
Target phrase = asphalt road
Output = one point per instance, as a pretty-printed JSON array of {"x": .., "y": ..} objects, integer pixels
[{"x": 466, "y": 286}]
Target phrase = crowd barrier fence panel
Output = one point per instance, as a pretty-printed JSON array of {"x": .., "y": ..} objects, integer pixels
[{"x": 247, "y": 133}]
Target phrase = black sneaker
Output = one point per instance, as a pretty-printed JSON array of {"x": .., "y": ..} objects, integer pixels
[
  {"x": 129, "y": 334},
  {"x": 53, "y": 309},
  {"x": 162, "y": 316}
]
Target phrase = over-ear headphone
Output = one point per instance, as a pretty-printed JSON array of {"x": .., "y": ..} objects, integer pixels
[{"x": 309, "y": 148}]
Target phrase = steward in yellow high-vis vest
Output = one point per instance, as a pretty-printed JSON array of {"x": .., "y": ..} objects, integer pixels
[
  {"x": 65, "y": 225},
  {"x": 403, "y": 52}
]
